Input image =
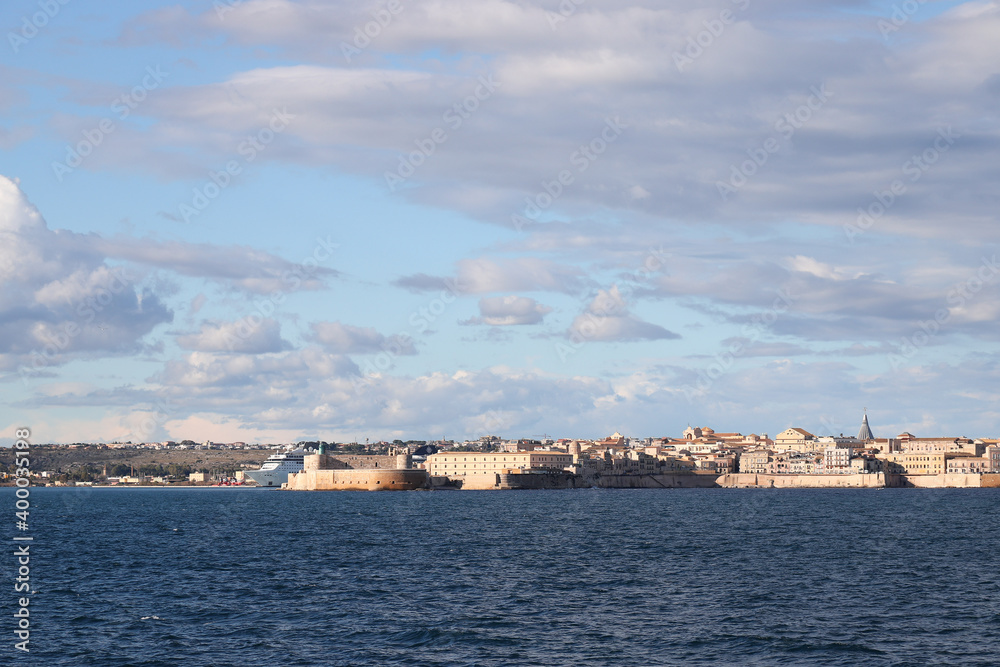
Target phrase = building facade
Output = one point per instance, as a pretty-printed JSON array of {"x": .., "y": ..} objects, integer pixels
[{"x": 464, "y": 464}]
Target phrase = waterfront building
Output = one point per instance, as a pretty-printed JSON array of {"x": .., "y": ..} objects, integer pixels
[
  {"x": 916, "y": 463},
  {"x": 837, "y": 460},
  {"x": 717, "y": 463},
  {"x": 795, "y": 440},
  {"x": 756, "y": 461},
  {"x": 634, "y": 462},
  {"x": 464, "y": 464},
  {"x": 797, "y": 463},
  {"x": 700, "y": 446},
  {"x": 967, "y": 464},
  {"x": 910, "y": 443}
]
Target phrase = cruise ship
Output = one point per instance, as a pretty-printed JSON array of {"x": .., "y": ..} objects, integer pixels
[{"x": 275, "y": 470}]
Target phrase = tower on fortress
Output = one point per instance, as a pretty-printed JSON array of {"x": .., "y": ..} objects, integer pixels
[{"x": 865, "y": 433}]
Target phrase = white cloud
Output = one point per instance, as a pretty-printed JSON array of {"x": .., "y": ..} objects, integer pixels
[
  {"x": 59, "y": 298},
  {"x": 339, "y": 338},
  {"x": 686, "y": 130},
  {"x": 511, "y": 310},
  {"x": 247, "y": 335},
  {"x": 309, "y": 392},
  {"x": 638, "y": 192},
  {"x": 243, "y": 267},
  {"x": 781, "y": 232},
  {"x": 485, "y": 274},
  {"x": 607, "y": 319}
]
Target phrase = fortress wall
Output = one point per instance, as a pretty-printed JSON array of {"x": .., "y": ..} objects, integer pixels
[
  {"x": 942, "y": 481},
  {"x": 990, "y": 480},
  {"x": 369, "y": 479},
  {"x": 364, "y": 461},
  {"x": 481, "y": 482}
]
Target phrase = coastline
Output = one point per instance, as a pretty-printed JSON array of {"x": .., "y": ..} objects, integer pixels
[{"x": 649, "y": 481}]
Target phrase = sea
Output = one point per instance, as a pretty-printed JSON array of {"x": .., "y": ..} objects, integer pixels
[{"x": 238, "y": 577}]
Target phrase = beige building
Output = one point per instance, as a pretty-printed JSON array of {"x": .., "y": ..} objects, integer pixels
[
  {"x": 916, "y": 463},
  {"x": 968, "y": 464},
  {"x": 795, "y": 440},
  {"x": 798, "y": 464},
  {"x": 910, "y": 443},
  {"x": 837, "y": 460},
  {"x": 717, "y": 463},
  {"x": 464, "y": 464},
  {"x": 757, "y": 461}
]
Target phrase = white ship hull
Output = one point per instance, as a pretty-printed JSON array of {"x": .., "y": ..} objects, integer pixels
[
  {"x": 267, "y": 477},
  {"x": 276, "y": 468}
]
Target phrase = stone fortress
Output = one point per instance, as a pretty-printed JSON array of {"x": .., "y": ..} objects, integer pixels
[{"x": 325, "y": 472}]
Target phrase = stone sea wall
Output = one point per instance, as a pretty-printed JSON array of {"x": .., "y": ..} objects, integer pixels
[
  {"x": 754, "y": 480},
  {"x": 492, "y": 481},
  {"x": 661, "y": 481},
  {"x": 362, "y": 479},
  {"x": 946, "y": 481}
]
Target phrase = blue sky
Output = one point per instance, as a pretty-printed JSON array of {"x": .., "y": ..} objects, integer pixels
[{"x": 497, "y": 217}]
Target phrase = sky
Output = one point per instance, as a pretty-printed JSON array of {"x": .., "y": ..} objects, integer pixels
[{"x": 272, "y": 221}]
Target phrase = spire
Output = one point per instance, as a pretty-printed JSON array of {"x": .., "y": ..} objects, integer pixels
[{"x": 866, "y": 432}]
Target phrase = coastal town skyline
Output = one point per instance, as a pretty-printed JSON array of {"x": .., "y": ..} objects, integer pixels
[{"x": 700, "y": 458}]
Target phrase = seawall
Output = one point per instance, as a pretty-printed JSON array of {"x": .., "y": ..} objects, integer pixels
[
  {"x": 767, "y": 481},
  {"x": 946, "y": 481},
  {"x": 364, "y": 479},
  {"x": 661, "y": 481}
]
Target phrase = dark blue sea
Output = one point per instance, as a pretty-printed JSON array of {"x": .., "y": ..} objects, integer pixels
[{"x": 584, "y": 577}]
